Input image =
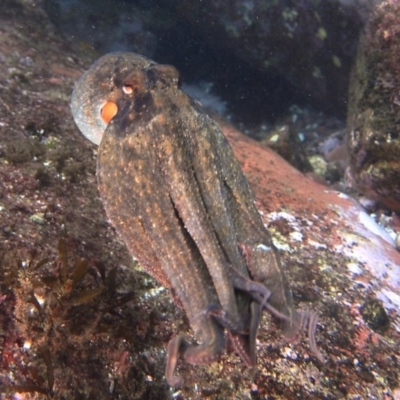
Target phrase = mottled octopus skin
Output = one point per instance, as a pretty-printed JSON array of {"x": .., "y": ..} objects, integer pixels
[{"x": 176, "y": 194}]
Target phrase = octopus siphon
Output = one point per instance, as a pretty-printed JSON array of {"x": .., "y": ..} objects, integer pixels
[{"x": 174, "y": 191}]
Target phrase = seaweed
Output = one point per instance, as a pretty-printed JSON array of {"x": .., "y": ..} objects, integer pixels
[{"x": 61, "y": 306}]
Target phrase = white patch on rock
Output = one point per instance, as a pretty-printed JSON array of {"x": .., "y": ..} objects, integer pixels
[
  {"x": 317, "y": 245},
  {"x": 372, "y": 226},
  {"x": 297, "y": 236},
  {"x": 282, "y": 246},
  {"x": 274, "y": 216},
  {"x": 372, "y": 253},
  {"x": 263, "y": 247},
  {"x": 354, "y": 268}
]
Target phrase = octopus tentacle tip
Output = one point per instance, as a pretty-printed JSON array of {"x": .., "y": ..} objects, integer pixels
[
  {"x": 309, "y": 321},
  {"x": 174, "y": 381}
]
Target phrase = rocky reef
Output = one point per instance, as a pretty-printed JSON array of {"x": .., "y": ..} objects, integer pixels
[
  {"x": 374, "y": 109},
  {"x": 80, "y": 319},
  {"x": 261, "y": 56}
]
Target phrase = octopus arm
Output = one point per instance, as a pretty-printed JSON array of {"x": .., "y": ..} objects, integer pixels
[{"x": 185, "y": 193}]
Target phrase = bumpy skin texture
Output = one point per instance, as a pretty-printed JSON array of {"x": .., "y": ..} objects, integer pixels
[{"x": 176, "y": 194}]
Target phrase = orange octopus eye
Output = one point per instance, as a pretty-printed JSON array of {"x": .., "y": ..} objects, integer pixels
[
  {"x": 109, "y": 111},
  {"x": 128, "y": 89}
]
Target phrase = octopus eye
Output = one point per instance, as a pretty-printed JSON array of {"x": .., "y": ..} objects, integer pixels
[
  {"x": 127, "y": 88},
  {"x": 109, "y": 111}
]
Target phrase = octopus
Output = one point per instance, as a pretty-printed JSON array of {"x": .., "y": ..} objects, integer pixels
[{"x": 175, "y": 193}]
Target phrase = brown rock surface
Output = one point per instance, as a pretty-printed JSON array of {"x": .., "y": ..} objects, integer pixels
[
  {"x": 98, "y": 329},
  {"x": 304, "y": 48},
  {"x": 374, "y": 109}
]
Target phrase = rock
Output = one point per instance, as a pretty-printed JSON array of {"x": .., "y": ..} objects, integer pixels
[
  {"x": 308, "y": 44},
  {"x": 337, "y": 260},
  {"x": 285, "y": 141},
  {"x": 374, "y": 110},
  {"x": 263, "y": 56}
]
